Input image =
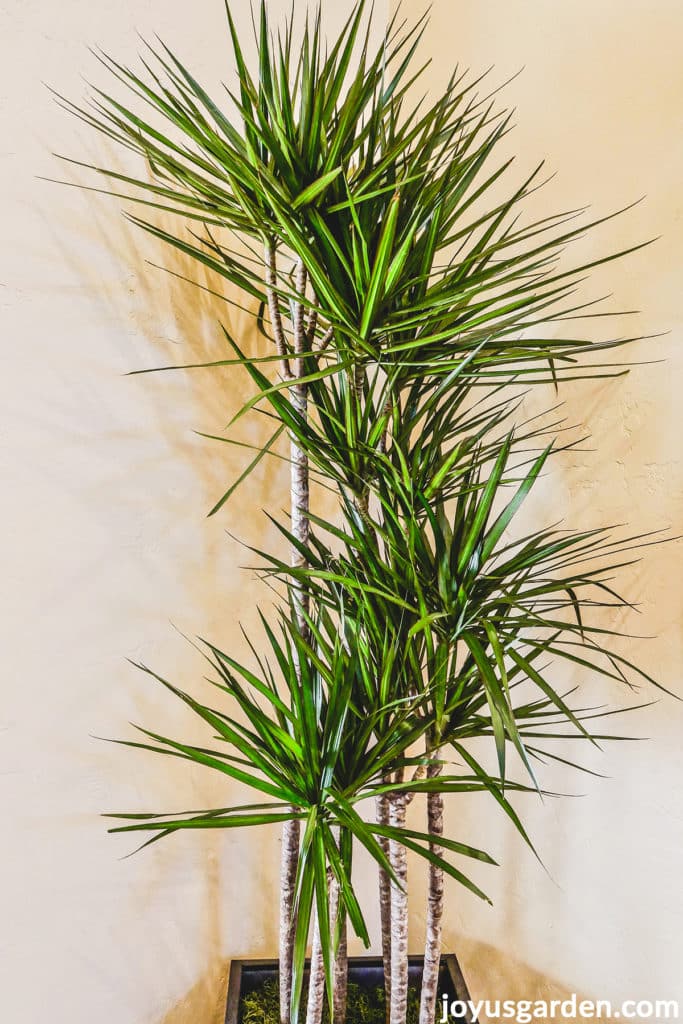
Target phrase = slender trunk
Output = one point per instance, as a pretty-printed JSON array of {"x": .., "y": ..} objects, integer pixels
[
  {"x": 382, "y": 815},
  {"x": 356, "y": 378},
  {"x": 316, "y": 984},
  {"x": 316, "y": 978},
  {"x": 274, "y": 310},
  {"x": 341, "y": 977},
  {"x": 432, "y": 954},
  {"x": 341, "y": 961},
  {"x": 399, "y": 914},
  {"x": 289, "y": 860},
  {"x": 299, "y": 507},
  {"x": 299, "y": 498}
]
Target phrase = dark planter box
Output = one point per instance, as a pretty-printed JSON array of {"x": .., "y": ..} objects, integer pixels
[{"x": 248, "y": 975}]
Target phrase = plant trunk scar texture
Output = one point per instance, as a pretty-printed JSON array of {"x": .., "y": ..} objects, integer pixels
[
  {"x": 299, "y": 506},
  {"x": 399, "y": 913},
  {"x": 382, "y": 815},
  {"x": 432, "y": 953}
]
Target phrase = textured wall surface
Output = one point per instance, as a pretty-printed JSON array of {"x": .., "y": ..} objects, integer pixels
[{"x": 104, "y": 547}]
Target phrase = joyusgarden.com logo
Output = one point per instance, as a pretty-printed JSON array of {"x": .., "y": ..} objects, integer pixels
[{"x": 526, "y": 1011}]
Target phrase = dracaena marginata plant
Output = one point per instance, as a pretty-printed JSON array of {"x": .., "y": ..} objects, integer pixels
[{"x": 377, "y": 247}]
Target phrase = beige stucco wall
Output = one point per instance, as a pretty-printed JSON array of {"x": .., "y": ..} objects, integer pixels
[{"x": 104, "y": 546}]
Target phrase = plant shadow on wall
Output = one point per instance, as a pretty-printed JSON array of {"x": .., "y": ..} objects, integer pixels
[
  {"x": 177, "y": 307},
  {"x": 412, "y": 627},
  {"x": 496, "y": 973},
  {"x": 175, "y": 314}
]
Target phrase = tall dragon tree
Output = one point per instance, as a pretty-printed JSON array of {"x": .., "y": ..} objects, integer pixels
[{"x": 409, "y": 303}]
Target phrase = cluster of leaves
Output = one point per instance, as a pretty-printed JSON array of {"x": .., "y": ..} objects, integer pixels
[
  {"x": 376, "y": 200},
  {"x": 385, "y": 244}
]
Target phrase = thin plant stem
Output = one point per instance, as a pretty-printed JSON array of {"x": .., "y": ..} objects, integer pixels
[
  {"x": 341, "y": 963},
  {"x": 399, "y": 913},
  {"x": 299, "y": 505},
  {"x": 316, "y": 984},
  {"x": 382, "y": 815},
  {"x": 435, "y": 890}
]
